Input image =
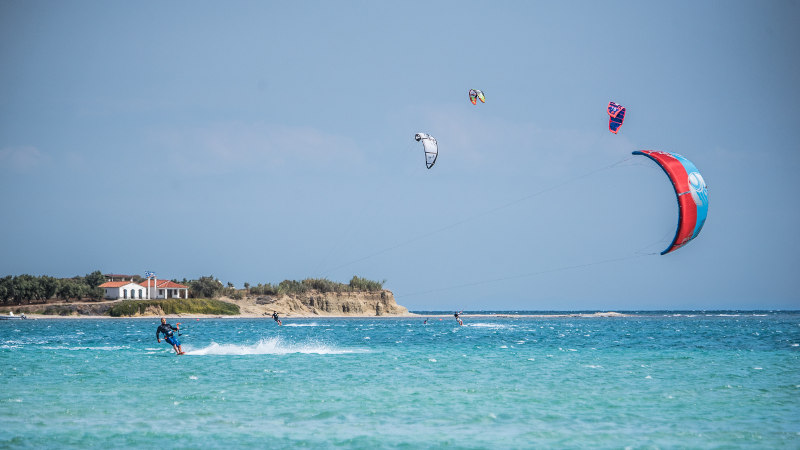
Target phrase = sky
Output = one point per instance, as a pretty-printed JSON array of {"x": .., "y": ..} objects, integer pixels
[{"x": 262, "y": 141}]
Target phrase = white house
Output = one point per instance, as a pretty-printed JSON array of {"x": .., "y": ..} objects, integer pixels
[
  {"x": 124, "y": 290},
  {"x": 128, "y": 290}
]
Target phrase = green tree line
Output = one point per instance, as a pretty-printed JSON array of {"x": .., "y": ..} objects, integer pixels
[
  {"x": 357, "y": 284},
  {"x": 21, "y": 289},
  {"x": 210, "y": 287},
  {"x": 26, "y": 289}
]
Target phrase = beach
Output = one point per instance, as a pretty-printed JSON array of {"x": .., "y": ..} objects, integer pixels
[{"x": 336, "y": 316}]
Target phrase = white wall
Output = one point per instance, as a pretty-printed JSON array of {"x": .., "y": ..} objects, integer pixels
[{"x": 118, "y": 293}]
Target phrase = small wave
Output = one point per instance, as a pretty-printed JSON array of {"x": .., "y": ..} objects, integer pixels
[
  {"x": 486, "y": 325},
  {"x": 105, "y": 348},
  {"x": 273, "y": 346},
  {"x": 312, "y": 324}
]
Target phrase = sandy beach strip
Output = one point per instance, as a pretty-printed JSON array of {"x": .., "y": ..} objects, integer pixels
[{"x": 339, "y": 316}]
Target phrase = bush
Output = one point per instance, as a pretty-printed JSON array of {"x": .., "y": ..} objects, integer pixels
[
  {"x": 175, "y": 306},
  {"x": 205, "y": 287},
  {"x": 323, "y": 285},
  {"x": 363, "y": 284}
]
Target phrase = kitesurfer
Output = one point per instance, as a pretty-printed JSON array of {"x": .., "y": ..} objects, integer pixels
[
  {"x": 458, "y": 318},
  {"x": 276, "y": 318},
  {"x": 169, "y": 336}
]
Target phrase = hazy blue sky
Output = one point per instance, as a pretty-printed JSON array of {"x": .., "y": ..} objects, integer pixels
[{"x": 262, "y": 141}]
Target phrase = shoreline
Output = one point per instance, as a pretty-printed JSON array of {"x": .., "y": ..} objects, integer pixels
[{"x": 334, "y": 316}]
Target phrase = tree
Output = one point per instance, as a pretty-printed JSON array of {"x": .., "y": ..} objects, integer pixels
[
  {"x": 95, "y": 279},
  {"x": 95, "y": 293},
  {"x": 5, "y": 288},
  {"x": 24, "y": 288},
  {"x": 49, "y": 286},
  {"x": 205, "y": 287},
  {"x": 69, "y": 288}
]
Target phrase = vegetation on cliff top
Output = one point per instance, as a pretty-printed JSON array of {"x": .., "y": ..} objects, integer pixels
[
  {"x": 174, "y": 306},
  {"x": 211, "y": 287},
  {"x": 357, "y": 284}
]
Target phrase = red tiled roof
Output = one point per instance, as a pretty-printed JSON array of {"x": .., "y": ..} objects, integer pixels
[
  {"x": 165, "y": 284},
  {"x": 114, "y": 284}
]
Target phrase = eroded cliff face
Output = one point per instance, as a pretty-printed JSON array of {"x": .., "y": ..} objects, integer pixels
[{"x": 328, "y": 303}]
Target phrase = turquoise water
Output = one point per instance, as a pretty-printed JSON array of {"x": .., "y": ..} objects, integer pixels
[{"x": 654, "y": 380}]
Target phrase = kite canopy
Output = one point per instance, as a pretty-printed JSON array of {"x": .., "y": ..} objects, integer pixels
[
  {"x": 692, "y": 193},
  {"x": 430, "y": 146},
  {"x": 475, "y": 95},
  {"x": 617, "y": 116}
]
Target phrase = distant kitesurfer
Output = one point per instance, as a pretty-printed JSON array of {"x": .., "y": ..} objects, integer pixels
[
  {"x": 458, "y": 319},
  {"x": 168, "y": 329},
  {"x": 276, "y": 318}
]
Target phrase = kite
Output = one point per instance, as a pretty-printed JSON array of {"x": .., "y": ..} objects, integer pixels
[
  {"x": 692, "y": 193},
  {"x": 430, "y": 146},
  {"x": 617, "y": 116},
  {"x": 475, "y": 95}
]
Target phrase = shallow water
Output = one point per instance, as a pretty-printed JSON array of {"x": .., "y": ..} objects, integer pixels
[{"x": 652, "y": 380}]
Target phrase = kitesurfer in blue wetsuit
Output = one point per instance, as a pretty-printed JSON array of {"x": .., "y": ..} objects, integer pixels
[
  {"x": 169, "y": 336},
  {"x": 276, "y": 318}
]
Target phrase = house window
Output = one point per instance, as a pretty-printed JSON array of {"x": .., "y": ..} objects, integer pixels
[
  {"x": 161, "y": 292},
  {"x": 124, "y": 293},
  {"x": 140, "y": 294}
]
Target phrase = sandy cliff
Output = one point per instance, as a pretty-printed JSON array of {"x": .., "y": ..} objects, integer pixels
[{"x": 314, "y": 303}]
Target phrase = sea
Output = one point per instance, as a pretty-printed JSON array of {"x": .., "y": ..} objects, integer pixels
[{"x": 654, "y": 379}]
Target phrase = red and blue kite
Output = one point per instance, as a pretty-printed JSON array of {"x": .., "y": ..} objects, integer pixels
[
  {"x": 692, "y": 193},
  {"x": 617, "y": 116}
]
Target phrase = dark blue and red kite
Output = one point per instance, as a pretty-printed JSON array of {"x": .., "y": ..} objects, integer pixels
[
  {"x": 617, "y": 116},
  {"x": 692, "y": 193}
]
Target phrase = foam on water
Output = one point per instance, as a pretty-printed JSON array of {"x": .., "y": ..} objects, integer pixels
[
  {"x": 486, "y": 325},
  {"x": 77, "y": 348},
  {"x": 271, "y": 346}
]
